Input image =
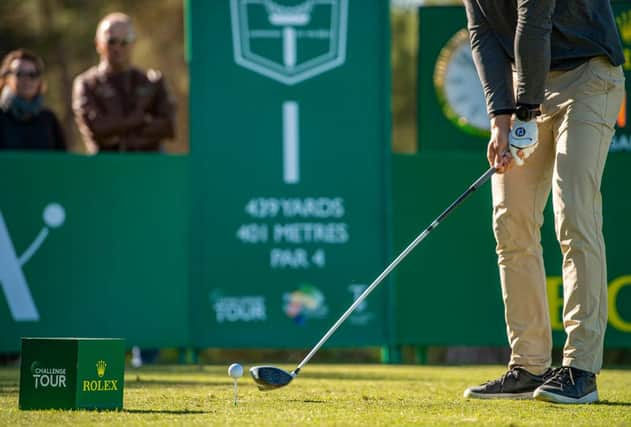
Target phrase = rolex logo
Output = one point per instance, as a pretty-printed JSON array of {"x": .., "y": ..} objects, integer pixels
[
  {"x": 100, "y": 368},
  {"x": 100, "y": 385},
  {"x": 624, "y": 26}
]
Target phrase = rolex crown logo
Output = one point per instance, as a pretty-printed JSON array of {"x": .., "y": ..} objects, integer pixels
[
  {"x": 624, "y": 26},
  {"x": 100, "y": 368}
]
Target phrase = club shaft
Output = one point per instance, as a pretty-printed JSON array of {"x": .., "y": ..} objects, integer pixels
[{"x": 477, "y": 184}]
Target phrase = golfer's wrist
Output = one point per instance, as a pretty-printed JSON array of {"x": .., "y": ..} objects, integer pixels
[{"x": 501, "y": 122}]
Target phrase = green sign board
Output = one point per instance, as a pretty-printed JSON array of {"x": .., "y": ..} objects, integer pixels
[
  {"x": 72, "y": 373},
  {"x": 290, "y": 154},
  {"x": 94, "y": 246}
]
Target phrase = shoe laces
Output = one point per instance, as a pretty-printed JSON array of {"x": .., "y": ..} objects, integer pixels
[
  {"x": 514, "y": 373},
  {"x": 563, "y": 376}
]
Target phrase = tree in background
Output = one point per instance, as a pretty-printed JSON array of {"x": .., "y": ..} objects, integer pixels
[{"x": 404, "y": 61}]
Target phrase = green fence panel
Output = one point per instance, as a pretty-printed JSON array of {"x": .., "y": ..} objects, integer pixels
[
  {"x": 94, "y": 246},
  {"x": 448, "y": 291},
  {"x": 290, "y": 154}
]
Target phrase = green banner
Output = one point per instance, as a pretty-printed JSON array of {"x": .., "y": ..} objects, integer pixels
[
  {"x": 94, "y": 246},
  {"x": 290, "y": 154},
  {"x": 448, "y": 291}
]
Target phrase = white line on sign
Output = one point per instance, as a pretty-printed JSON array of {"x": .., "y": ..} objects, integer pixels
[
  {"x": 289, "y": 47},
  {"x": 291, "y": 142}
]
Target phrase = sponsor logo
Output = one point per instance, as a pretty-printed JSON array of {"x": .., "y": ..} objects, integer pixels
[
  {"x": 287, "y": 40},
  {"x": 238, "y": 309},
  {"x": 12, "y": 278},
  {"x": 48, "y": 377},
  {"x": 307, "y": 302},
  {"x": 618, "y": 317},
  {"x": 360, "y": 316},
  {"x": 620, "y": 142},
  {"x": 100, "y": 384},
  {"x": 100, "y": 368}
]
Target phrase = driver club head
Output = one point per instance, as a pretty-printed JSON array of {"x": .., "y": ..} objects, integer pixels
[{"x": 270, "y": 378}]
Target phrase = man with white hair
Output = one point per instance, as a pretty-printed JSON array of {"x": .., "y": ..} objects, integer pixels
[{"x": 117, "y": 106}]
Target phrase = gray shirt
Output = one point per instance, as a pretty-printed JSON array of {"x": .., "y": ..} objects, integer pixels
[{"x": 533, "y": 37}]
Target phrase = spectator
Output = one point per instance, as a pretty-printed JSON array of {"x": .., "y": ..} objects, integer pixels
[
  {"x": 117, "y": 106},
  {"x": 25, "y": 124}
]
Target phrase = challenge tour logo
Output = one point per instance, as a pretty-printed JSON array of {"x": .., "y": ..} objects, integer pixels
[
  {"x": 238, "y": 309},
  {"x": 307, "y": 302},
  {"x": 289, "y": 41},
  {"x": 48, "y": 377},
  {"x": 12, "y": 278},
  {"x": 100, "y": 384}
]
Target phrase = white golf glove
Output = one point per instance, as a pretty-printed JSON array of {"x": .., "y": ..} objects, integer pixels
[{"x": 523, "y": 136}]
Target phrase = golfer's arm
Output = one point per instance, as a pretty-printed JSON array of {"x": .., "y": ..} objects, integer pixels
[
  {"x": 532, "y": 49},
  {"x": 491, "y": 61}
]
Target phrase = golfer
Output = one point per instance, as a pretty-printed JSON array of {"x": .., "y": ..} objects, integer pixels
[{"x": 553, "y": 85}]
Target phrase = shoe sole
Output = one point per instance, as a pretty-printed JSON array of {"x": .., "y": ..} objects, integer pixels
[
  {"x": 546, "y": 396},
  {"x": 468, "y": 394}
]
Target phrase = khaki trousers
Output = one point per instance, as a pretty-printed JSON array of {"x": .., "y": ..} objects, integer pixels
[{"x": 575, "y": 130}]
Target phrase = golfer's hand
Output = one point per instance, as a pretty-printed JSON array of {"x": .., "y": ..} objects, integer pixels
[
  {"x": 522, "y": 140},
  {"x": 497, "y": 151}
]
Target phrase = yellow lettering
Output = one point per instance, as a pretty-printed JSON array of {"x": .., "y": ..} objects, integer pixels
[
  {"x": 555, "y": 301},
  {"x": 100, "y": 385},
  {"x": 614, "y": 316}
]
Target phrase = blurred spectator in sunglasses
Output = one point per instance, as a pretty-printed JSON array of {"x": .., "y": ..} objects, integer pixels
[
  {"x": 117, "y": 106},
  {"x": 25, "y": 124}
]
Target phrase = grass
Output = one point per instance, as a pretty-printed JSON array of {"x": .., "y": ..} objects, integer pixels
[{"x": 326, "y": 395}]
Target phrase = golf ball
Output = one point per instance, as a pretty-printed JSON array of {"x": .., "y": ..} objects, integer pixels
[{"x": 235, "y": 370}]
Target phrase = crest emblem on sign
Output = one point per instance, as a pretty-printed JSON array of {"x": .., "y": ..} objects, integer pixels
[{"x": 289, "y": 41}]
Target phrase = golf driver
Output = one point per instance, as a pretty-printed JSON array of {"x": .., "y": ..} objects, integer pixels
[{"x": 271, "y": 377}]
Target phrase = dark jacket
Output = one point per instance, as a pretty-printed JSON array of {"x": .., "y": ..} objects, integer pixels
[
  {"x": 40, "y": 132},
  {"x": 104, "y": 103},
  {"x": 533, "y": 37}
]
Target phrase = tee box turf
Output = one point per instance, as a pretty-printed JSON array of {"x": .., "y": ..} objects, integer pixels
[{"x": 72, "y": 373}]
